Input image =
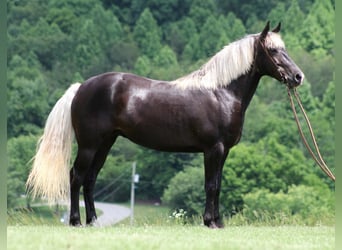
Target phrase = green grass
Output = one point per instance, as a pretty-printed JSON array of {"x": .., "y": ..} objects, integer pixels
[
  {"x": 170, "y": 237},
  {"x": 154, "y": 229},
  {"x": 40, "y": 215},
  {"x": 148, "y": 215}
]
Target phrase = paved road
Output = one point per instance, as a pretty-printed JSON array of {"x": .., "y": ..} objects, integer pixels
[{"x": 111, "y": 213}]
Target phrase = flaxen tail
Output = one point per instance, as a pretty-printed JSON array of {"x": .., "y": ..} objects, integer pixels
[{"x": 49, "y": 177}]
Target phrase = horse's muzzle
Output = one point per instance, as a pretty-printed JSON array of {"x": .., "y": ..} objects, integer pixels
[{"x": 295, "y": 80}]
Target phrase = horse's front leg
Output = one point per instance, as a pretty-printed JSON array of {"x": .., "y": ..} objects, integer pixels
[{"x": 213, "y": 162}]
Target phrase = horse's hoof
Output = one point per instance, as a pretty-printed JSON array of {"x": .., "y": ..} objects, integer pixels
[
  {"x": 214, "y": 225},
  {"x": 92, "y": 222},
  {"x": 75, "y": 223}
]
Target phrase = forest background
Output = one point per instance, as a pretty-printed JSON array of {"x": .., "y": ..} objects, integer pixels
[{"x": 52, "y": 44}]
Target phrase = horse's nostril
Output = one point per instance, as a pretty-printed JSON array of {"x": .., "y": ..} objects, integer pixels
[{"x": 299, "y": 77}]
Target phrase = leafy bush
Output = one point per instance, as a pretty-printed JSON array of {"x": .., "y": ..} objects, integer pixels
[
  {"x": 185, "y": 191},
  {"x": 20, "y": 151},
  {"x": 301, "y": 203},
  {"x": 266, "y": 164}
]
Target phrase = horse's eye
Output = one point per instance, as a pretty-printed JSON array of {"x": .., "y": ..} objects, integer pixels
[{"x": 273, "y": 50}]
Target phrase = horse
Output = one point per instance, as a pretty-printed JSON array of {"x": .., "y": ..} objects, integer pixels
[{"x": 201, "y": 112}]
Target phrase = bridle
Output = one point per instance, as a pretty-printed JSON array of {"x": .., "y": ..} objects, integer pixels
[
  {"x": 276, "y": 69},
  {"x": 292, "y": 89}
]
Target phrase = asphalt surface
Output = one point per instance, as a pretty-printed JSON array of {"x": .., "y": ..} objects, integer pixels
[{"x": 111, "y": 214}]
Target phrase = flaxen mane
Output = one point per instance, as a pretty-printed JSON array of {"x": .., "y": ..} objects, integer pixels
[{"x": 228, "y": 64}]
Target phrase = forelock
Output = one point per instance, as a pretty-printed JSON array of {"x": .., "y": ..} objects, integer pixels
[{"x": 273, "y": 40}]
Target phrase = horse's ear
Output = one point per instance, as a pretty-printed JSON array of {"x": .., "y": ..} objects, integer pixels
[
  {"x": 265, "y": 31},
  {"x": 277, "y": 29}
]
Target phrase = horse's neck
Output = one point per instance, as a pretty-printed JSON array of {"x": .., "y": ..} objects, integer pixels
[{"x": 244, "y": 88}]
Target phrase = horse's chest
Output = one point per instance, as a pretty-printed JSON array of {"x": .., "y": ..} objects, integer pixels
[{"x": 232, "y": 123}]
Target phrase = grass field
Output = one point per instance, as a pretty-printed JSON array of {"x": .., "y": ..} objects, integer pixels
[
  {"x": 170, "y": 237},
  {"x": 153, "y": 229}
]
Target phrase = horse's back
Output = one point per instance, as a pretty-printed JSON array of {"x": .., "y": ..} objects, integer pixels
[{"x": 99, "y": 92}]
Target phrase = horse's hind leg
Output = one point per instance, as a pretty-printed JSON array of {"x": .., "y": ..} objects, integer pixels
[
  {"x": 90, "y": 179},
  {"x": 78, "y": 172}
]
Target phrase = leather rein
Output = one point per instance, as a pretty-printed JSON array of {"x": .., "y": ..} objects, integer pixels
[{"x": 318, "y": 159}]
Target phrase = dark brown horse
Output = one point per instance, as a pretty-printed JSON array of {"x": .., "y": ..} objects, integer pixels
[{"x": 201, "y": 112}]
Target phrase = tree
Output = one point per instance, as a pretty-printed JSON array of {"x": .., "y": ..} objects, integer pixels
[
  {"x": 277, "y": 13},
  {"x": 308, "y": 100},
  {"x": 147, "y": 34},
  {"x": 31, "y": 11},
  {"x": 235, "y": 28},
  {"x": 323, "y": 123},
  {"x": 165, "y": 58},
  {"x": 157, "y": 169},
  {"x": 186, "y": 191},
  {"x": 200, "y": 11},
  {"x": 128, "y": 11},
  {"x": 48, "y": 40},
  {"x": 210, "y": 34},
  {"x": 111, "y": 31},
  {"x": 247, "y": 9},
  {"x": 20, "y": 151},
  {"x": 168, "y": 11},
  {"x": 318, "y": 33},
  {"x": 166, "y": 61},
  {"x": 123, "y": 55},
  {"x": 178, "y": 34},
  {"x": 192, "y": 50},
  {"x": 270, "y": 112},
  {"x": 27, "y": 96},
  {"x": 293, "y": 19},
  {"x": 319, "y": 71},
  {"x": 42, "y": 39},
  {"x": 80, "y": 8},
  {"x": 88, "y": 55},
  {"x": 143, "y": 66},
  {"x": 266, "y": 164},
  {"x": 328, "y": 104},
  {"x": 65, "y": 18},
  {"x": 114, "y": 180}
]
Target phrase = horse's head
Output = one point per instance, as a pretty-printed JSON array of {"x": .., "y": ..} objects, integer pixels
[{"x": 272, "y": 58}]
